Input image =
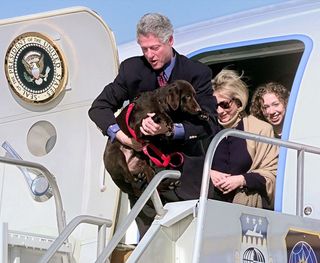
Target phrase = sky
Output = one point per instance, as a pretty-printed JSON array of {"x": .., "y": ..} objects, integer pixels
[{"x": 123, "y": 15}]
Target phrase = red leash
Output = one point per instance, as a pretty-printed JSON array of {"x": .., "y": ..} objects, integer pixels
[{"x": 165, "y": 160}]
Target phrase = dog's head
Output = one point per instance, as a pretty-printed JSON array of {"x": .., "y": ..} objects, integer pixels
[{"x": 181, "y": 95}]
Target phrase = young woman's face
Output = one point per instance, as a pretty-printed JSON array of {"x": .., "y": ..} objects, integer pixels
[
  {"x": 226, "y": 107},
  {"x": 273, "y": 109}
]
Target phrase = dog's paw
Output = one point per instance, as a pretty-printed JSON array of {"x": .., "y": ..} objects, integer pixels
[
  {"x": 141, "y": 176},
  {"x": 170, "y": 128},
  {"x": 204, "y": 116}
]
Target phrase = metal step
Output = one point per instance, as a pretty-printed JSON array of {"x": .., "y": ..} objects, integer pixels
[
  {"x": 17, "y": 246},
  {"x": 230, "y": 233}
]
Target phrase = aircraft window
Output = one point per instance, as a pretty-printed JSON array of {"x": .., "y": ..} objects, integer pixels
[
  {"x": 275, "y": 61},
  {"x": 41, "y": 138}
]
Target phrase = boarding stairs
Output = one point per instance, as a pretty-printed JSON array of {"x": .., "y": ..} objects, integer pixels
[
  {"x": 17, "y": 246},
  {"x": 204, "y": 230}
]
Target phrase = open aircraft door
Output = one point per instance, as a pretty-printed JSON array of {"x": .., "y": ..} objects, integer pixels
[{"x": 53, "y": 66}]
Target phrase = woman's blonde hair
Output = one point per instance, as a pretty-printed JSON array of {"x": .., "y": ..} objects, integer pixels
[{"x": 229, "y": 83}]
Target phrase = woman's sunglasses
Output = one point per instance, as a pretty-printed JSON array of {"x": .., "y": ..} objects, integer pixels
[{"x": 224, "y": 104}]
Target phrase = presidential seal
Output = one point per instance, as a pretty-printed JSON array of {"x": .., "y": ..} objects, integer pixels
[{"x": 35, "y": 68}]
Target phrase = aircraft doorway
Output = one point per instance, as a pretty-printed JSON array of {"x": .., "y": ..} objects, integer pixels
[{"x": 260, "y": 63}]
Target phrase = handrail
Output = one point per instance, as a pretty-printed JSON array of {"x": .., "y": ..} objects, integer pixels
[
  {"x": 101, "y": 222},
  {"x": 60, "y": 214},
  {"x": 301, "y": 148},
  {"x": 39, "y": 186},
  {"x": 150, "y": 190}
]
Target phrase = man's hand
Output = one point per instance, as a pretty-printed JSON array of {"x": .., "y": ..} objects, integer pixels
[
  {"x": 150, "y": 128},
  {"x": 132, "y": 143}
]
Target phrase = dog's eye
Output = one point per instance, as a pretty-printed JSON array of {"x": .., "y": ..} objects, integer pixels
[{"x": 186, "y": 98}]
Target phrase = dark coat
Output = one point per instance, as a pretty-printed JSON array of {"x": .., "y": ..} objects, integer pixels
[{"x": 136, "y": 75}]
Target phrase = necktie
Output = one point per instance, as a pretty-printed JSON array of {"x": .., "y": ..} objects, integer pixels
[{"x": 162, "y": 79}]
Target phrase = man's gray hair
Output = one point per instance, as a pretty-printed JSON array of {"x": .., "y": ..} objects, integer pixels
[{"x": 155, "y": 24}]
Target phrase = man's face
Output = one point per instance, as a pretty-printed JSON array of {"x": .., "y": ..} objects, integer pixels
[{"x": 156, "y": 52}]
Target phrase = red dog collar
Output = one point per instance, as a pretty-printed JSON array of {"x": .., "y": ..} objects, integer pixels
[{"x": 174, "y": 159}]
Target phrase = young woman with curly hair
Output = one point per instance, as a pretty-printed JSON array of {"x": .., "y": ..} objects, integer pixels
[{"x": 269, "y": 103}]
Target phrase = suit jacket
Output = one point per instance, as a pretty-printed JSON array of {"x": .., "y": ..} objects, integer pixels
[{"x": 135, "y": 76}]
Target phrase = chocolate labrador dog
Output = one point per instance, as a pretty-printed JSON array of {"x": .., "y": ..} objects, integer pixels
[{"x": 127, "y": 166}]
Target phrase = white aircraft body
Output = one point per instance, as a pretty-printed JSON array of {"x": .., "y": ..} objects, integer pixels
[{"x": 57, "y": 202}]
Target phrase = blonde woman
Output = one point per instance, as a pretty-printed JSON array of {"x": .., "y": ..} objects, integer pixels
[{"x": 243, "y": 171}]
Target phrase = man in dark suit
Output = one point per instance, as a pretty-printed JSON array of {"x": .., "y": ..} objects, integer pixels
[{"x": 160, "y": 64}]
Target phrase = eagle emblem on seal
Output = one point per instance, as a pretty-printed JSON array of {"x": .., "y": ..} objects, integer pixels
[
  {"x": 36, "y": 68},
  {"x": 34, "y": 65}
]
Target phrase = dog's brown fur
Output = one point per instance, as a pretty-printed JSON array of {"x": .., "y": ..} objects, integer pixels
[{"x": 125, "y": 165}]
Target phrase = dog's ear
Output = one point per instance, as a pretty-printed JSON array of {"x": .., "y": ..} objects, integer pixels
[{"x": 173, "y": 97}]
